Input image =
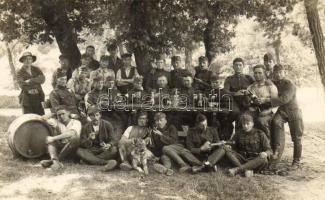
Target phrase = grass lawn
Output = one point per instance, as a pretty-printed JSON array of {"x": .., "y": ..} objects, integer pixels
[
  {"x": 24, "y": 179},
  {"x": 9, "y": 101}
]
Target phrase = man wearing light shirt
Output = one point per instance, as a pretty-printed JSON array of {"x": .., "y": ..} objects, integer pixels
[{"x": 65, "y": 139}]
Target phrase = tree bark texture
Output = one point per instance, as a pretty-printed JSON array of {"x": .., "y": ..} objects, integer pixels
[
  {"x": 317, "y": 36},
  {"x": 57, "y": 21},
  {"x": 209, "y": 40},
  {"x": 12, "y": 66}
]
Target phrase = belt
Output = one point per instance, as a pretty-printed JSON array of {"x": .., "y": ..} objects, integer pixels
[{"x": 32, "y": 91}]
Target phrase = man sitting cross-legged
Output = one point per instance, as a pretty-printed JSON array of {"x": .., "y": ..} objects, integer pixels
[
  {"x": 98, "y": 142},
  {"x": 251, "y": 150},
  {"x": 65, "y": 139}
]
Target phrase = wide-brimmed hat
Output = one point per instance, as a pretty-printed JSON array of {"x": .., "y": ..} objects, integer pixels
[{"x": 25, "y": 54}]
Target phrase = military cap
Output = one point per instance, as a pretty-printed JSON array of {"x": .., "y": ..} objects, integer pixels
[
  {"x": 25, "y": 54},
  {"x": 278, "y": 67},
  {"x": 126, "y": 55},
  {"x": 93, "y": 110},
  {"x": 200, "y": 118},
  {"x": 159, "y": 115},
  {"x": 62, "y": 56},
  {"x": 203, "y": 58},
  {"x": 268, "y": 56},
  {"x": 176, "y": 58},
  {"x": 104, "y": 58}
]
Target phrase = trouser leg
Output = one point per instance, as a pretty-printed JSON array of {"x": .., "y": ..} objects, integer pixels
[
  {"x": 166, "y": 161},
  {"x": 277, "y": 135},
  {"x": 52, "y": 150},
  {"x": 264, "y": 123},
  {"x": 256, "y": 163},
  {"x": 296, "y": 130},
  {"x": 89, "y": 157},
  {"x": 189, "y": 157},
  {"x": 69, "y": 149},
  {"x": 234, "y": 159},
  {"x": 216, "y": 156},
  {"x": 172, "y": 151},
  {"x": 111, "y": 153}
]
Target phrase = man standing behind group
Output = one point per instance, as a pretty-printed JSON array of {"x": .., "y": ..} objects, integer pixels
[
  {"x": 103, "y": 71},
  {"x": 30, "y": 79},
  {"x": 125, "y": 76},
  {"x": 64, "y": 68},
  {"x": 202, "y": 74},
  {"x": 151, "y": 81},
  {"x": 90, "y": 51},
  {"x": 269, "y": 64},
  {"x": 176, "y": 75},
  {"x": 98, "y": 142},
  {"x": 115, "y": 63}
]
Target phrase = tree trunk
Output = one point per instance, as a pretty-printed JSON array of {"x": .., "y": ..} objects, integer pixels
[
  {"x": 142, "y": 60},
  {"x": 12, "y": 67},
  {"x": 188, "y": 59},
  {"x": 276, "y": 46},
  {"x": 57, "y": 20},
  {"x": 209, "y": 40},
  {"x": 317, "y": 36}
]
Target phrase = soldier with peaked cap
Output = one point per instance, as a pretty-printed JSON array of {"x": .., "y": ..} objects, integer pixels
[{"x": 30, "y": 78}]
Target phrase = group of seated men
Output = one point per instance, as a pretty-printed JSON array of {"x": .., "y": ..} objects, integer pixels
[{"x": 257, "y": 136}]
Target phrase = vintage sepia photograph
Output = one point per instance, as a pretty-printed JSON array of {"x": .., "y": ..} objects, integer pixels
[{"x": 162, "y": 99}]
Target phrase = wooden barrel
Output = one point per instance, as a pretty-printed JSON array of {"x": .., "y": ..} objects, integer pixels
[{"x": 26, "y": 136}]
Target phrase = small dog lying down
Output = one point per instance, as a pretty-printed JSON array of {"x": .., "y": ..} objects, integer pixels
[{"x": 141, "y": 157}]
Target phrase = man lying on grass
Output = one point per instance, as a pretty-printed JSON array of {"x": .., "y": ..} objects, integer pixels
[{"x": 65, "y": 139}]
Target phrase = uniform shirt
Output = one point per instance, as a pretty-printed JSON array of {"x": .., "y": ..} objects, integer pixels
[
  {"x": 287, "y": 96},
  {"x": 204, "y": 75},
  {"x": 252, "y": 143},
  {"x": 151, "y": 81},
  {"x": 103, "y": 73},
  {"x": 93, "y": 64},
  {"x": 79, "y": 87},
  {"x": 169, "y": 136},
  {"x": 66, "y": 71},
  {"x": 264, "y": 90},
  {"x": 237, "y": 82},
  {"x": 62, "y": 96},
  {"x": 196, "y": 138},
  {"x": 176, "y": 77}
]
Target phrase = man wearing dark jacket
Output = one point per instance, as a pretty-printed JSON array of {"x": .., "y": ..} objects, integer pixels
[
  {"x": 288, "y": 111},
  {"x": 202, "y": 74},
  {"x": 30, "y": 79},
  {"x": 151, "y": 81},
  {"x": 98, "y": 141}
]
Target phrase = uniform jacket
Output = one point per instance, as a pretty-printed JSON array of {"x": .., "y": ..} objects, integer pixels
[
  {"x": 251, "y": 144},
  {"x": 169, "y": 136},
  {"x": 196, "y": 138},
  {"x": 176, "y": 77},
  {"x": 31, "y": 91},
  {"x": 204, "y": 75},
  {"x": 286, "y": 96},
  {"x": 238, "y": 82},
  {"x": 151, "y": 81},
  {"x": 106, "y": 134},
  {"x": 62, "y": 96}
]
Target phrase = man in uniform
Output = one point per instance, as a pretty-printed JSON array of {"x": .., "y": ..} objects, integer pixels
[
  {"x": 62, "y": 96},
  {"x": 64, "y": 68},
  {"x": 65, "y": 139},
  {"x": 151, "y": 81},
  {"x": 176, "y": 75},
  {"x": 29, "y": 80},
  {"x": 125, "y": 76},
  {"x": 163, "y": 134},
  {"x": 288, "y": 111},
  {"x": 263, "y": 91},
  {"x": 202, "y": 74},
  {"x": 90, "y": 51},
  {"x": 98, "y": 141},
  {"x": 199, "y": 140},
  {"x": 269, "y": 64},
  {"x": 115, "y": 63},
  {"x": 251, "y": 150}
]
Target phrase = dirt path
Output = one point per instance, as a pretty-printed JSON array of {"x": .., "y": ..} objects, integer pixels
[{"x": 307, "y": 183}]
